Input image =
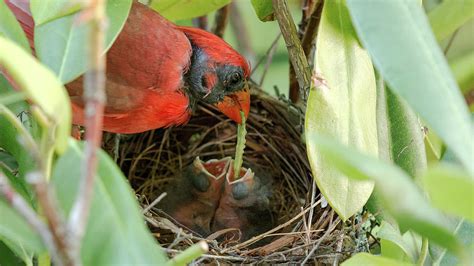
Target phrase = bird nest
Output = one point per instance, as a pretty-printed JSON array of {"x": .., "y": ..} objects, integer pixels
[{"x": 303, "y": 227}]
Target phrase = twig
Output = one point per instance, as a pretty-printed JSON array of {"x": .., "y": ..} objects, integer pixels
[
  {"x": 294, "y": 91},
  {"x": 268, "y": 62},
  {"x": 267, "y": 53},
  {"x": 293, "y": 44},
  {"x": 153, "y": 204},
  {"x": 312, "y": 27},
  {"x": 338, "y": 249},
  {"x": 200, "y": 22},
  {"x": 316, "y": 246},
  {"x": 307, "y": 33},
  {"x": 21, "y": 206},
  {"x": 241, "y": 33},
  {"x": 54, "y": 220},
  {"x": 311, "y": 212},
  {"x": 221, "y": 21},
  {"x": 261, "y": 236},
  {"x": 94, "y": 96},
  {"x": 46, "y": 199}
]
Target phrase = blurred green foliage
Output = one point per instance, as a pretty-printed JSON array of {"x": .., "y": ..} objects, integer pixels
[{"x": 397, "y": 192}]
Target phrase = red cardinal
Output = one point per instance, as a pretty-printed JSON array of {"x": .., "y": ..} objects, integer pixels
[{"x": 157, "y": 71}]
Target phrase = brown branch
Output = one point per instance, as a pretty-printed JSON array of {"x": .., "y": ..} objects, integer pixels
[
  {"x": 200, "y": 22},
  {"x": 241, "y": 33},
  {"x": 294, "y": 87},
  {"x": 312, "y": 27},
  {"x": 56, "y": 224},
  {"x": 221, "y": 21},
  {"x": 308, "y": 27},
  {"x": 94, "y": 96},
  {"x": 293, "y": 44},
  {"x": 23, "y": 208}
]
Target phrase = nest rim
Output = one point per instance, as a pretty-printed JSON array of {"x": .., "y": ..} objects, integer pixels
[{"x": 305, "y": 231}]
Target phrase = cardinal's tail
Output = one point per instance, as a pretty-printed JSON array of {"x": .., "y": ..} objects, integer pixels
[{"x": 21, "y": 10}]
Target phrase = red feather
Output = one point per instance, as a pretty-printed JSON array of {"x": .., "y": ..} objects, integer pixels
[
  {"x": 223, "y": 53},
  {"x": 145, "y": 68},
  {"x": 140, "y": 95}
]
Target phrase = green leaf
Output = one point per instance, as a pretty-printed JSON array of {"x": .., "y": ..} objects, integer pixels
[
  {"x": 403, "y": 132},
  {"x": 20, "y": 185},
  {"x": 44, "y": 11},
  {"x": 464, "y": 230},
  {"x": 383, "y": 129},
  {"x": 7, "y": 161},
  {"x": 448, "y": 16},
  {"x": 395, "y": 190},
  {"x": 17, "y": 157},
  {"x": 463, "y": 70},
  {"x": 116, "y": 232},
  {"x": 11, "y": 254},
  {"x": 41, "y": 86},
  {"x": 7, "y": 256},
  {"x": 404, "y": 50},
  {"x": 10, "y": 28},
  {"x": 185, "y": 9},
  {"x": 391, "y": 250},
  {"x": 395, "y": 240},
  {"x": 344, "y": 109},
  {"x": 61, "y": 44},
  {"x": 369, "y": 260},
  {"x": 263, "y": 9},
  {"x": 14, "y": 229},
  {"x": 451, "y": 190}
]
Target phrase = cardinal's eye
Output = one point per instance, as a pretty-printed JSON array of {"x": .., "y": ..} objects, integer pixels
[{"x": 235, "y": 78}]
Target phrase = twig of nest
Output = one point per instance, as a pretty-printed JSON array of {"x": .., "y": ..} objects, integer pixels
[{"x": 303, "y": 231}]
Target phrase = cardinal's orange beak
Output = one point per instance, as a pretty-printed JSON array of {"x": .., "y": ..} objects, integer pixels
[{"x": 234, "y": 103}]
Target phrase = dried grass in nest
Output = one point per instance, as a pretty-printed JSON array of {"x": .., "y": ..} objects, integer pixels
[{"x": 305, "y": 231}]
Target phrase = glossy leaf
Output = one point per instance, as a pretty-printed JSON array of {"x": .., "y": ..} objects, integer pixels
[
  {"x": 116, "y": 232},
  {"x": 344, "y": 107},
  {"x": 47, "y": 10},
  {"x": 263, "y": 9},
  {"x": 449, "y": 15},
  {"x": 403, "y": 132},
  {"x": 372, "y": 260},
  {"x": 395, "y": 190},
  {"x": 451, "y": 190},
  {"x": 41, "y": 87},
  {"x": 184, "y": 9},
  {"x": 61, "y": 43},
  {"x": 9, "y": 27},
  {"x": 405, "y": 52}
]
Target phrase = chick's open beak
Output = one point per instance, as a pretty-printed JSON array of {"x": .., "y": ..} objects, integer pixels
[{"x": 234, "y": 103}]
